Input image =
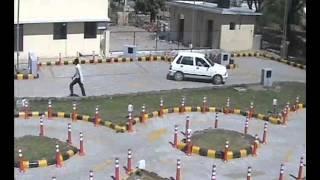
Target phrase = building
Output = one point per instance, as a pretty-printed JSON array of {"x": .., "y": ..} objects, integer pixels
[
  {"x": 212, "y": 25},
  {"x": 50, "y": 27}
]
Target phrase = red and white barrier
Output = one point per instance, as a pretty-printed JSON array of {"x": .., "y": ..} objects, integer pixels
[
  {"x": 226, "y": 150},
  {"x": 281, "y": 176},
  {"x": 90, "y": 175},
  {"x": 246, "y": 125},
  {"x": 300, "y": 173},
  {"x": 265, "y": 129},
  {"x": 81, "y": 151},
  {"x": 255, "y": 146},
  {"x": 74, "y": 111},
  {"x": 204, "y": 105},
  {"x": 182, "y": 108},
  {"x": 59, "y": 161},
  {"x": 178, "y": 172},
  {"x": 161, "y": 108},
  {"x": 187, "y": 126},
  {"x": 143, "y": 114},
  {"x": 69, "y": 140},
  {"x": 175, "y": 136},
  {"x": 189, "y": 145},
  {"x": 216, "y": 120},
  {"x": 41, "y": 127},
  {"x": 227, "y": 108},
  {"x": 97, "y": 117},
  {"x": 117, "y": 170},
  {"x": 213, "y": 175},
  {"x": 21, "y": 166},
  {"x": 49, "y": 109},
  {"x": 129, "y": 163},
  {"x": 249, "y": 173}
]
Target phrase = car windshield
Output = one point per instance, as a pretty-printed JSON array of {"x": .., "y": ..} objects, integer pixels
[{"x": 209, "y": 60}]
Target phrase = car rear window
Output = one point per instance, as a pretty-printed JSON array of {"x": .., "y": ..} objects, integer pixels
[{"x": 187, "y": 60}]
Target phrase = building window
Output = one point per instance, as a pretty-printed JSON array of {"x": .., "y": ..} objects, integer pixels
[
  {"x": 20, "y": 37},
  {"x": 90, "y": 30},
  {"x": 60, "y": 31},
  {"x": 232, "y": 26}
]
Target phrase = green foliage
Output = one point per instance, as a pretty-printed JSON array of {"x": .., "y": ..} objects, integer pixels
[{"x": 150, "y": 6}]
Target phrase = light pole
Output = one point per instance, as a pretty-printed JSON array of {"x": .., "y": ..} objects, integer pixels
[
  {"x": 284, "y": 44},
  {"x": 18, "y": 33}
]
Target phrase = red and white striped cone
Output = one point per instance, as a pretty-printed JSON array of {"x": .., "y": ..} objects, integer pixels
[
  {"x": 90, "y": 175},
  {"x": 26, "y": 110},
  {"x": 178, "y": 172},
  {"x": 21, "y": 166},
  {"x": 182, "y": 106},
  {"x": 296, "y": 106},
  {"x": 246, "y": 125},
  {"x": 41, "y": 127},
  {"x": 54, "y": 178},
  {"x": 49, "y": 109},
  {"x": 216, "y": 121},
  {"x": 187, "y": 126},
  {"x": 69, "y": 140},
  {"x": 189, "y": 145},
  {"x": 175, "y": 136},
  {"x": 227, "y": 108},
  {"x": 60, "y": 59},
  {"x": 143, "y": 114},
  {"x": 58, "y": 157},
  {"x": 97, "y": 117},
  {"x": 264, "y": 136},
  {"x": 213, "y": 175},
  {"x": 300, "y": 173},
  {"x": 130, "y": 123},
  {"x": 204, "y": 105},
  {"x": 249, "y": 173},
  {"x": 129, "y": 163},
  {"x": 81, "y": 151},
  {"x": 285, "y": 116},
  {"x": 281, "y": 176},
  {"x": 74, "y": 112},
  {"x": 161, "y": 108},
  {"x": 274, "y": 103},
  {"x": 117, "y": 170},
  {"x": 288, "y": 106},
  {"x": 226, "y": 150},
  {"x": 251, "y": 111},
  {"x": 255, "y": 146}
]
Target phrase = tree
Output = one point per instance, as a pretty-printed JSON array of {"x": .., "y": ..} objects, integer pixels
[
  {"x": 257, "y": 4},
  {"x": 150, "y": 6}
]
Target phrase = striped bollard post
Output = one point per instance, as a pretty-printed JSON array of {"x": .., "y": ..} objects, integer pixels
[
  {"x": 213, "y": 175},
  {"x": 41, "y": 127},
  {"x": 129, "y": 163},
  {"x": 216, "y": 120},
  {"x": 182, "y": 106},
  {"x": 249, "y": 173},
  {"x": 60, "y": 59},
  {"x": 117, "y": 170},
  {"x": 130, "y": 124},
  {"x": 189, "y": 145},
  {"x": 285, "y": 116},
  {"x": 274, "y": 103},
  {"x": 49, "y": 109},
  {"x": 300, "y": 173},
  {"x": 90, "y": 175},
  {"x": 226, "y": 150},
  {"x": 281, "y": 176},
  {"x": 255, "y": 146},
  {"x": 178, "y": 172},
  {"x": 58, "y": 157},
  {"x": 246, "y": 126},
  {"x": 74, "y": 111},
  {"x": 187, "y": 126},
  {"x": 251, "y": 111},
  {"x": 175, "y": 136},
  {"x": 143, "y": 114},
  {"x": 21, "y": 166},
  {"x": 227, "y": 108},
  {"x": 265, "y": 129},
  {"x": 26, "y": 110},
  {"x": 296, "y": 107},
  {"x": 81, "y": 151},
  {"x": 69, "y": 140},
  {"x": 161, "y": 108},
  {"x": 288, "y": 106},
  {"x": 97, "y": 117},
  {"x": 93, "y": 57},
  {"x": 204, "y": 105}
]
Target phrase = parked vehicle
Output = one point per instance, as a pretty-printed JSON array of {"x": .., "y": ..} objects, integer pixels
[{"x": 197, "y": 66}]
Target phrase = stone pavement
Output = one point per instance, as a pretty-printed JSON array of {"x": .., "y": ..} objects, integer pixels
[
  {"x": 151, "y": 142},
  {"x": 123, "y": 78}
]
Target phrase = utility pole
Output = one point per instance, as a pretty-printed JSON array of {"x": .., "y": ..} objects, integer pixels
[
  {"x": 284, "y": 43},
  {"x": 194, "y": 6},
  {"x": 17, "y": 36}
]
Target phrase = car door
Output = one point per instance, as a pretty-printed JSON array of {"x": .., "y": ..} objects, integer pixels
[
  {"x": 202, "y": 68},
  {"x": 187, "y": 66}
]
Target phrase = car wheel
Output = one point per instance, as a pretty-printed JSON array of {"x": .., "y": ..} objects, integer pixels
[
  {"x": 178, "y": 76},
  {"x": 217, "y": 79}
]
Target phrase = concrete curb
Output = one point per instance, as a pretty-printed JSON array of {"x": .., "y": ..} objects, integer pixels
[
  {"x": 44, "y": 162},
  {"x": 25, "y": 76}
]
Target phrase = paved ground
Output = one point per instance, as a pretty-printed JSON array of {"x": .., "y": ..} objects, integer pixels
[
  {"x": 110, "y": 79},
  {"x": 150, "y": 142}
]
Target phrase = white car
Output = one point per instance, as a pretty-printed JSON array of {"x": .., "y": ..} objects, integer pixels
[{"x": 197, "y": 66}]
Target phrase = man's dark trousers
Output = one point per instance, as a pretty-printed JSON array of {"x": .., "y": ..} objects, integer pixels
[{"x": 77, "y": 80}]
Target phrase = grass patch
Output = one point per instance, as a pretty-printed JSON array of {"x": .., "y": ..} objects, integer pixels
[
  {"x": 145, "y": 175},
  {"x": 216, "y": 138},
  {"x": 37, "y": 147},
  {"x": 115, "y": 109}
]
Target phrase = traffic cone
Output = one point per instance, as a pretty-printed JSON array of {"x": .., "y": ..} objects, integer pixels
[
  {"x": 249, "y": 173},
  {"x": 246, "y": 125},
  {"x": 204, "y": 105},
  {"x": 130, "y": 123},
  {"x": 41, "y": 127},
  {"x": 175, "y": 138},
  {"x": 129, "y": 164},
  {"x": 300, "y": 173},
  {"x": 226, "y": 150},
  {"x": 97, "y": 117},
  {"x": 90, "y": 175},
  {"x": 187, "y": 126},
  {"x": 255, "y": 146},
  {"x": 251, "y": 111},
  {"x": 189, "y": 145},
  {"x": 227, "y": 108},
  {"x": 59, "y": 160},
  {"x": 49, "y": 109},
  {"x": 74, "y": 112},
  {"x": 281, "y": 176},
  {"x": 81, "y": 151},
  {"x": 264, "y": 137},
  {"x": 213, "y": 175},
  {"x": 296, "y": 106},
  {"x": 69, "y": 140},
  {"x": 182, "y": 106},
  {"x": 161, "y": 108},
  {"x": 143, "y": 114},
  {"x": 117, "y": 170},
  {"x": 216, "y": 121},
  {"x": 22, "y": 168},
  {"x": 26, "y": 110},
  {"x": 178, "y": 172}
]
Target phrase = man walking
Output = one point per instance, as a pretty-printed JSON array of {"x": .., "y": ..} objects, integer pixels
[{"x": 77, "y": 78}]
